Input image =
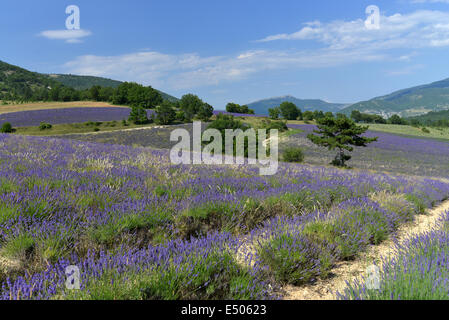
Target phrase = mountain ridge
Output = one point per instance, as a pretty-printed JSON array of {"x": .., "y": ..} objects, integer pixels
[
  {"x": 408, "y": 102},
  {"x": 261, "y": 106}
]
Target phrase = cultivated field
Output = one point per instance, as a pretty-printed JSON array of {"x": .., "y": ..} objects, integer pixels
[
  {"x": 139, "y": 227},
  {"x": 52, "y": 106}
]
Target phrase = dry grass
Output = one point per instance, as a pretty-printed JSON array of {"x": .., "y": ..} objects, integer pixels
[{"x": 53, "y": 105}]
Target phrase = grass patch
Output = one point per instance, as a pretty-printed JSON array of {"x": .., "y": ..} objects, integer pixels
[{"x": 18, "y": 247}]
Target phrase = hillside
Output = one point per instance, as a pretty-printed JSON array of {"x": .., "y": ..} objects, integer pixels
[
  {"x": 20, "y": 84},
  {"x": 433, "y": 116},
  {"x": 408, "y": 102},
  {"x": 83, "y": 82},
  {"x": 86, "y": 82},
  {"x": 16, "y": 82},
  {"x": 262, "y": 106}
]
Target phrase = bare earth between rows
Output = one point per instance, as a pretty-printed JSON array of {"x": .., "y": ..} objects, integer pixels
[{"x": 351, "y": 270}]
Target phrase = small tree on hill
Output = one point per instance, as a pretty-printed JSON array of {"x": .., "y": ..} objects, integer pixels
[{"x": 340, "y": 133}]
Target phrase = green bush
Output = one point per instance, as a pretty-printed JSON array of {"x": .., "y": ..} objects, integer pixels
[
  {"x": 6, "y": 128},
  {"x": 165, "y": 113},
  {"x": 293, "y": 154},
  {"x": 45, "y": 126},
  {"x": 138, "y": 115},
  {"x": 281, "y": 126}
]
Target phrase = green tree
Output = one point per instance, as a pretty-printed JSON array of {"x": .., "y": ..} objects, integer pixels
[
  {"x": 236, "y": 108},
  {"x": 308, "y": 116},
  {"x": 120, "y": 96},
  {"x": 223, "y": 122},
  {"x": 95, "y": 93},
  {"x": 289, "y": 110},
  {"x": 190, "y": 104},
  {"x": 205, "y": 112},
  {"x": 396, "y": 119},
  {"x": 146, "y": 97},
  {"x": 340, "y": 133},
  {"x": 54, "y": 93},
  {"x": 356, "y": 115},
  {"x": 138, "y": 115},
  {"x": 274, "y": 113},
  {"x": 232, "y": 107},
  {"x": 165, "y": 113}
]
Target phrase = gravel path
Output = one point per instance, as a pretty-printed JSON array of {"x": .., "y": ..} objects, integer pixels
[{"x": 350, "y": 270}]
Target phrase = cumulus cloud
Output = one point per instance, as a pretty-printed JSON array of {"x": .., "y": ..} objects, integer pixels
[
  {"x": 419, "y": 29},
  {"x": 186, "y": 71},
  {"x": 341, "y": 42},
  {"x": 69, "y": 36}
]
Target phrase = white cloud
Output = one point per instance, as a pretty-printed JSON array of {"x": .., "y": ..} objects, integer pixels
[
  {"x": 419, "y": 29},
  {"x": 186, "y": 71},
  {"x": 69, "y": 36},
  {"x": 342, "y": 42}
]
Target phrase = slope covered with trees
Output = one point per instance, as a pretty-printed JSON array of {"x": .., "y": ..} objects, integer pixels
[{"x": 18, "y": 84}]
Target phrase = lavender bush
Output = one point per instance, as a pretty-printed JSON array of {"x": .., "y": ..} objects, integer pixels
[{"x": 121, "y": 213}]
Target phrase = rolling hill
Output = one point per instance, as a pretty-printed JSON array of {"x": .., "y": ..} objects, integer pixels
[
  {"x": 16, "y": 82},
  {"x": 83, "y": 82},
  {"x": 408, "y": 102},
  {"x": 19, "y": 84},
  {"x": 86, "y": 82},
  {"x": 262, "y": 106}
]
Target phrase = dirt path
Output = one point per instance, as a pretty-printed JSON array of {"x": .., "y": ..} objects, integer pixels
[{"x": 349, "y": 271}]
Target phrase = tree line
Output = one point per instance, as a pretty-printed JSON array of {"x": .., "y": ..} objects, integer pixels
[{"x": 289, "y": 111}]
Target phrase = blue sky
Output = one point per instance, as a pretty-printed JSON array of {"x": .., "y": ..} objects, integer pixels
[{"x": 236, "y": 50}]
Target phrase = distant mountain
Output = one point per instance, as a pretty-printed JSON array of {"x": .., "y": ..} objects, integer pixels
[
  {"x": 408, "y": 102},
  {"x": 16, "y": 82},
  {"x": 87, "y": 82},
  {"x": 262, "y": 106}
]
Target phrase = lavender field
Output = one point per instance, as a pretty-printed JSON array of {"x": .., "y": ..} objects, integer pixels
[
  {"x": 65, "y": 116},
  {"x": 77, "y": 115},
  {"x": 418, "y": 272},
  {"x": 138, "y": 227},
  {"x": 391, "y": 153}
]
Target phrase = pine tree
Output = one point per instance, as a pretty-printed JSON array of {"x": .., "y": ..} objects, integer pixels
[{"x": 340, "y": 133}]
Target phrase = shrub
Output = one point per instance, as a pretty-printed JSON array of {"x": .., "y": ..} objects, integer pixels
[
  {"x": 45, "y": 126},
  {"x": 205, "y": 112},
  {"x": 6, "y": 128},
  {"x": 203, "y": 276},
  {"x": 281, "y": 126},
  {"x": 425, "y": 130},
  {"x": 294, "y": 259},
  {"x": 165, "y": 113},
  {"x": 138, "y": 115},
  {"x": 293, "y": 154}
]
